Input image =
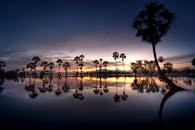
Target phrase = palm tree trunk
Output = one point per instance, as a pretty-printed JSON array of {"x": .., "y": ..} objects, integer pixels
[
  {"x": 77, "y": 70},
  {"x": 59, "y": 69},
  {"x": 161, "y": 73},
  {"x": 66, "y": 72},
  {"x": 124, "y": 68}
]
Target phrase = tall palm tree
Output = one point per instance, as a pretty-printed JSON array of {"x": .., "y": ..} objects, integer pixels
[
  {"x": 31, "y": 66},
  {"x": 193, "y": 62},
  {"x": 66, "y": 65},
  {"x": 81, "y": 57},
  {"x": 100, "y": 66},
  {"x": 35, "y": 59},
  {"x": 2, "y": 65},
  {"x": 77, "y": 59},
  {"x": 152, "y": 24},
  {"x": 115, "y": 56},
  {"x": 44, "y": 64},
  {"x": 123, "y": 57},
  {"x": 51, "y": 66},
  {"x": 105, "y": 63},
  {"x": 96, "y": 63},
  {"x": 59, "y": 62}
]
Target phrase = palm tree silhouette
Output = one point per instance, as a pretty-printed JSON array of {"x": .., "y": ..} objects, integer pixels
[
  {"x": 31, "y": 66},
  {"x": 81, "y": 57},
  {"x": 59, "y": 62},
  {"x": 193, "y": 62},
  {"x": 66, "y": 65},
  {"x": 96, "y": 63},
  {"x": 44, "y": 64},
  {"x": 152, "y": 24},
  {"x": 77, "y": 59},
  {"x": 134, "y": 68},
  {"x": 105, "y": 63},
  {"x": 115, "y": 56},
  {"x": 51, "y": 66},
  {"x": 123, "y": 57},
  {"x": 35, "y": 59}
]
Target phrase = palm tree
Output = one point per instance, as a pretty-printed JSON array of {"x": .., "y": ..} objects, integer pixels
[
  {"x": 77, "y": 59},
  {"x": 105, "y": 63},
  {"x": 100, "y": 66},
  {"x": 35, "y": 59},
  {"x": 51, "y": 66},
  {"x": 152, "y": 24},
  {"x": 44, "y": 64},
  {"x": 134, "y": 68},
  {"x": 66, "y": 65},
  {"x": 123, "y": 57},
  {"x": 81, "y": 57},
  {"x": 2, "y": 65},
  {"x": 59, "y": 62},
  {"x": 115, "y": 56},
  {"x": 193, "y": 62},
  {"x": 31, "y": 66},
  {"x": 96, "y": 63}
]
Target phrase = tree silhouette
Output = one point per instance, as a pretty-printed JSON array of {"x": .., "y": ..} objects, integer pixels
[
  {"x": 105, "y": 63},
  {"x": 77, "y": 59},
  {"x": 193, "y": 62},
  {"x": 59, "y": 62},
  {"x": 152, "y": 24},
  {"x": 96, "y": 63},
  {"x": 81, "y": 57},
  {"x": 31, "y": 66},
  {"x": 115, "y": 56},
  {"x": 51, "y": 66},
  {"x": 2, "y": 65},
  {"x": 123, "y": 57},
  {"x": 66, "y": 65},
  {"x": 134, "y": 68},
  {"x": 35, "y": 59},
  {"x": 168, "y": 67},
  {"x": 44, "y": 64}
]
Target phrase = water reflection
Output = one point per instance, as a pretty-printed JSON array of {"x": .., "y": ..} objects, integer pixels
[
  {"x": 104, "y": 97},
  {"x": 99, "y": 86}
]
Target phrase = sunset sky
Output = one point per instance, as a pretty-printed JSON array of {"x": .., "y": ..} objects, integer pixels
[{"x": 96, "y": 28}]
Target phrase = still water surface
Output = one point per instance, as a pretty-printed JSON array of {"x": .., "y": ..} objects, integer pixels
[{"x": 91, "y": 102}]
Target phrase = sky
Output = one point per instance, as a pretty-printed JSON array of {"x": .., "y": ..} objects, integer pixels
[{"x": 96, "y": 28}]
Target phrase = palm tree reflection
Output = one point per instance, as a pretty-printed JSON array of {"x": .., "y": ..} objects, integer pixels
[
  {"x": 116, "y": 97},
  {"x": 146, "y": 85},
  {"x": 170, "y": 93},
  {"x": 66, "y": 86},
  {"x": 58, "y": 90},
  {"x": 78, "y": 91},
  {"x": 124, "y": 95}
]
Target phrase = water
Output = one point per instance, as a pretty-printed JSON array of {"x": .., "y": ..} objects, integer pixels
[{"x": 96, "y": 103}]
